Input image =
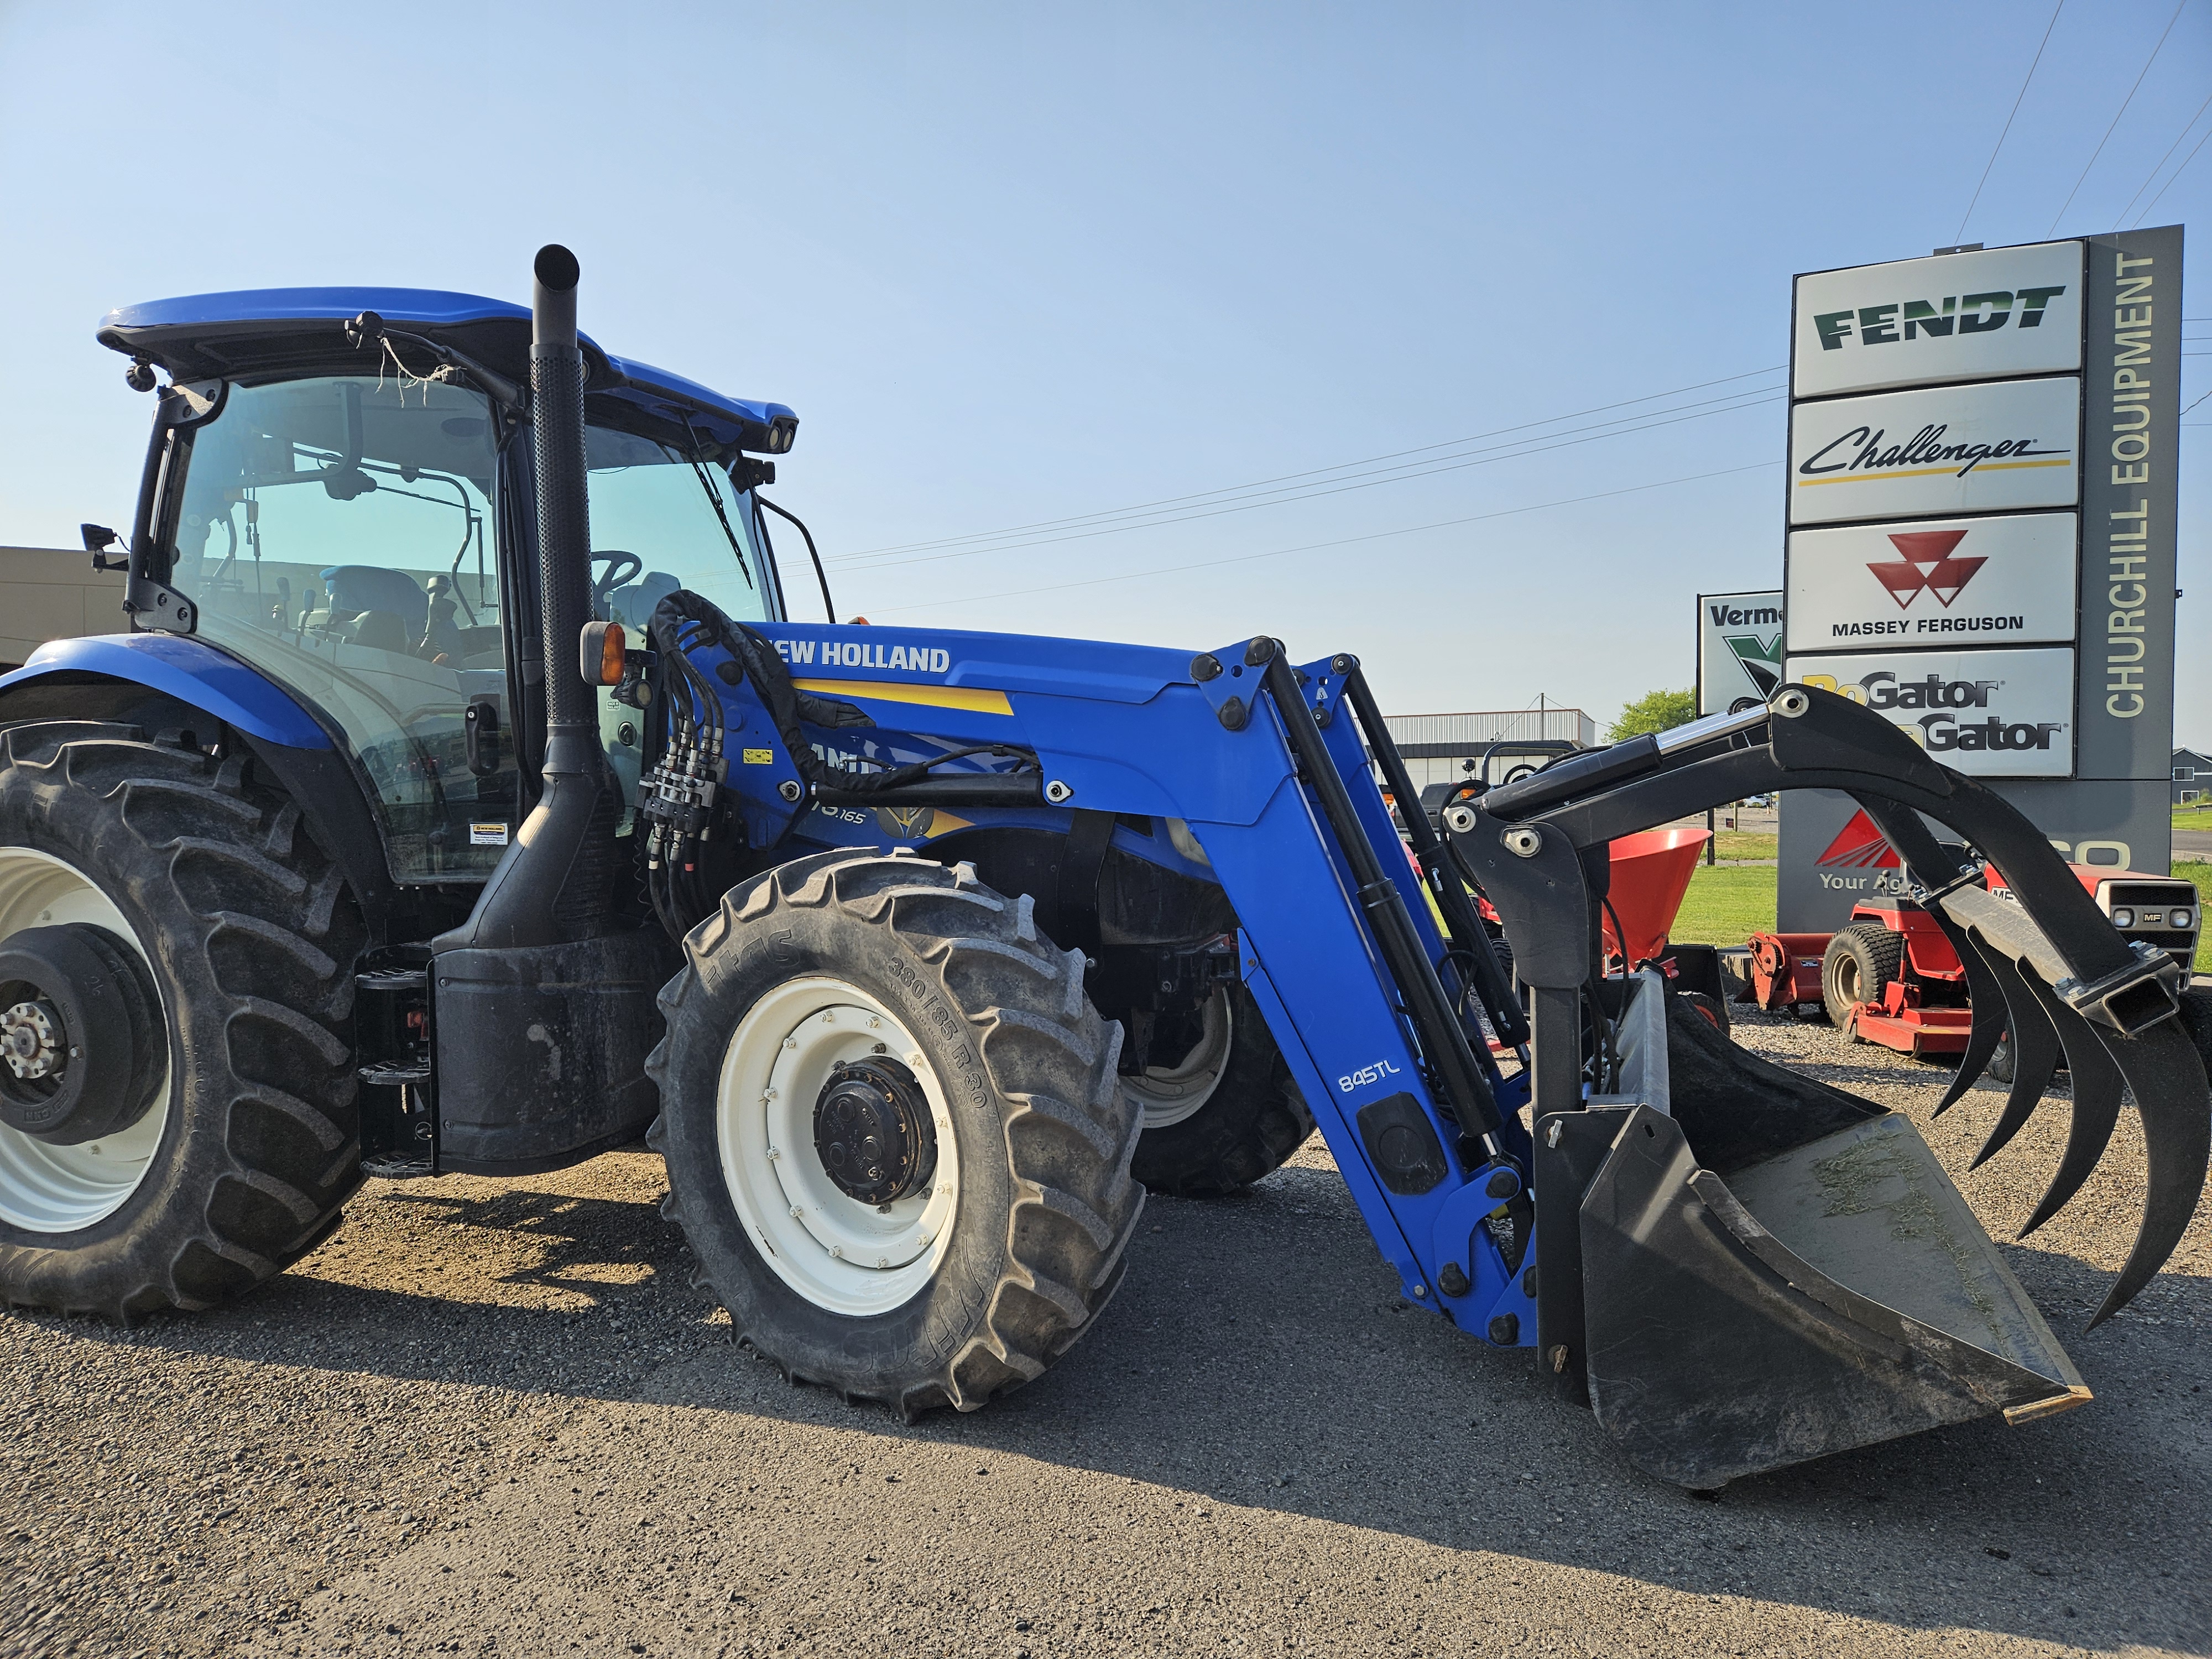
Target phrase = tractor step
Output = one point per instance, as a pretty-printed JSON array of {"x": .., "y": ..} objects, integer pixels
[
  {"x": 392, "y": 979},
  {"x": 394, "y": 1074},
  {"x": 384, "y": 1166}
]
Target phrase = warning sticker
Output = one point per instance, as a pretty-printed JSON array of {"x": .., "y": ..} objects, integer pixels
[
  {"x": 760, "y": 756},
  {"x": 487, "y": 835}
]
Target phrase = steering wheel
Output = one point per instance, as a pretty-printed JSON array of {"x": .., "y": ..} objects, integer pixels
[{"x": 621, "y": 566}]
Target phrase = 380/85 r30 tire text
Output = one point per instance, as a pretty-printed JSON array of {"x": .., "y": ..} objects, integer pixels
[{"x": 1006, "y": 1202}]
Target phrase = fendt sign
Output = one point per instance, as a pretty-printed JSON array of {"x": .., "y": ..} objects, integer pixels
[
  {"x": 1924, "y": 322},
  {"x": 1980, "y": 544}
]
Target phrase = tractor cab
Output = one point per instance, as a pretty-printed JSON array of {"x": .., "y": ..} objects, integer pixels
[{"x": 341, "y": 501}]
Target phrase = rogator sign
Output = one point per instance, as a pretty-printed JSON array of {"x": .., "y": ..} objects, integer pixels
[
  {"x": 1992, "y": 447},
  {"x": 1938, "y": 582},
  {"x": 1978, "y": 316},
  {"x": 1988, "y": 714},
  {"x": 1739, "y": 650}
]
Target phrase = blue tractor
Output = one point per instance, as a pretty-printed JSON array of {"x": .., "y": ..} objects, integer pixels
[{"x": 464, "y": 797}]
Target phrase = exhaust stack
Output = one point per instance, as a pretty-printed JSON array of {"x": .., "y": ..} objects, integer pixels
[{"x": 557, "y": 884}]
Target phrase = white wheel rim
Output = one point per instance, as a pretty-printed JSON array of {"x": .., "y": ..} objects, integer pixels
[
  {"x": 1169, "y": 1094},
  {"x": 840, "y": 1253},
  {"x": 46, "y": 1188}
]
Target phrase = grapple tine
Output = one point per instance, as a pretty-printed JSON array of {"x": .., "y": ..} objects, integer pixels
[
  {"x": 2097, "y": 1084},
  {"x": 2165, "y": 1074},
  {"x": 2034, "y": 1055},
  {"x": 1987, "y": 996}
]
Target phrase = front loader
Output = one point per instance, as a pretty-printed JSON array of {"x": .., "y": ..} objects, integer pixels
[{"x": 465, "y": 798}]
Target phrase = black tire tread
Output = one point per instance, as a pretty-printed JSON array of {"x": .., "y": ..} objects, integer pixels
[
  {"x": 258, "y": 938},
  {"x": 1249, "y": 1127},
  {"x": 1068, "y": 1145}
]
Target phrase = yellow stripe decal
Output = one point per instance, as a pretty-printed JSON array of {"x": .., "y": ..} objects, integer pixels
[
  {"x": 1930, "y": 472},
  {"x": 975, "y": 701}
]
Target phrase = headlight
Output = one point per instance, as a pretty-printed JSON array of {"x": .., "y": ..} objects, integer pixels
[
  {"x": 2122, "y": 917},
  {"x": 2184, "y": 918}
]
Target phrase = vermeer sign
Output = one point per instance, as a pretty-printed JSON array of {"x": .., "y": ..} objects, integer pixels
[
  {"x": 2005, "y": 580},
  {"x": 1921, "y": 322},
  {"x": 1984, "y": 449}
]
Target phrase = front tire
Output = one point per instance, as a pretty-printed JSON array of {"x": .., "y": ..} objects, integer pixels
[
  {"x": 1859, "y": 964},
  {"x": 1227, "y": 1114},
  {"x": 251, "y": 1140},
  {"x": 1007, "y": 1199}
]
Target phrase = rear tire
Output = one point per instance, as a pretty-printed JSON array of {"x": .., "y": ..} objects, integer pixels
[
  {"x": 970, "y": 1293},
  {"x": 1248, "y": 1123},
  {"x": 239, "y": 1165},
  {"x": 1859, "y": 964}
]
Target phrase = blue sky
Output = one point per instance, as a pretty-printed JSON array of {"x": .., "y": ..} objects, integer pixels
[{"x": 1015, "y": 265}]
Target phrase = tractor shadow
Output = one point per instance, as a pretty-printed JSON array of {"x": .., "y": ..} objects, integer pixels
[{"x": 1260, "y": 1356}]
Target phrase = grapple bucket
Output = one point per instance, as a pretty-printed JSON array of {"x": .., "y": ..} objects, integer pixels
[
  {"x": 1750, "y": 1304},
  {"x": 1739, "y": 1267}
]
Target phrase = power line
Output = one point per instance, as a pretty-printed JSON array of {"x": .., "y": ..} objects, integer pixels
[
  {"x": 1346, "y": 541},
  {"x": 1457, "y": 466},
  {"x": 2187, "y": 127},
  {"x": 1287, "y": 477},
  {"x": 2110, "y": 130},
  {"x": 1961, "y": 231},
  {"x": 2170, "y": 177}
]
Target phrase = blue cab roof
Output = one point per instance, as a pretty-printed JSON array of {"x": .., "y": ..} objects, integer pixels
[{"x": 202, "y": 335}]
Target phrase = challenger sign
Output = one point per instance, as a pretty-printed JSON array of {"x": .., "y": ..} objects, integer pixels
[{"x": 1953, "y": 449}]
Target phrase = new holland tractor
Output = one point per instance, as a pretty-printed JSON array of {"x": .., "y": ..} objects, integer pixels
[{"x": 464, "y": 798}]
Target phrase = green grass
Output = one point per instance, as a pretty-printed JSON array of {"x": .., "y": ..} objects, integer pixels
[
  {"x": 2192, "y": 817},
  {"x": 1727, "y": 903},
  {"x": 1744, "y": 844},
  {"x": 2198, "y": 870}
]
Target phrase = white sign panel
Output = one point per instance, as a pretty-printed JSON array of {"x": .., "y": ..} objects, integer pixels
[
  {"x": 1950, "y": 450},
  {"x": 1934, "y": 582},
  {"x": 1739, "y": 650},
  {"x": 1958, "y": 316},
  {"x": 1987, "y": 713}
]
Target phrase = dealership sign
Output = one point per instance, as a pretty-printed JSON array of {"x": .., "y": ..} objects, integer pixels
[
  {"x": 1975, "y": 316},
  {"x": 1739, "y": 650},
  {"x": 1938, "y": 582},
  {"x": 1988, "y": 714},
  {"x": 2002, "y": 445},
  {"x": 1981, "y": 521}
]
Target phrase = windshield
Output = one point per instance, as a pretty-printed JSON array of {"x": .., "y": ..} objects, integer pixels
[
  {"x": 336, "y": 533},
  {"x": 661, "y": 521}
]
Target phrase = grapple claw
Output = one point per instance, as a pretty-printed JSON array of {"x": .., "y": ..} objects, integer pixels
[
  {"x": 2034, "y": 1054},
  {"x": 1987, "y": 1002},
  {"x": 2097, "y": 1084},
  {"x": 2165, "y": 1074}
]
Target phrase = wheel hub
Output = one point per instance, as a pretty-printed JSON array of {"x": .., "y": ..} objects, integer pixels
[
  {"x": 83, "y": 1046},
  {"x": 31, "y": 1039},
  {"x": 872, "y": 1131}
]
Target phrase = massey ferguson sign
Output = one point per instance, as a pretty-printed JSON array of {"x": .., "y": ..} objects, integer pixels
[
  {"x": 1934, "y": 582},
  {"x": 1918, "y": 322},
  {"x": 1988, "y": 714}
]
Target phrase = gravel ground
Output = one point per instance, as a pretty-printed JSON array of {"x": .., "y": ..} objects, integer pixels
[{"x": 490, "y": 1418}]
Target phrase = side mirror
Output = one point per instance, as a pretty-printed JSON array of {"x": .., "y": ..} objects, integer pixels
[{"x": 98, "y": 538}]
